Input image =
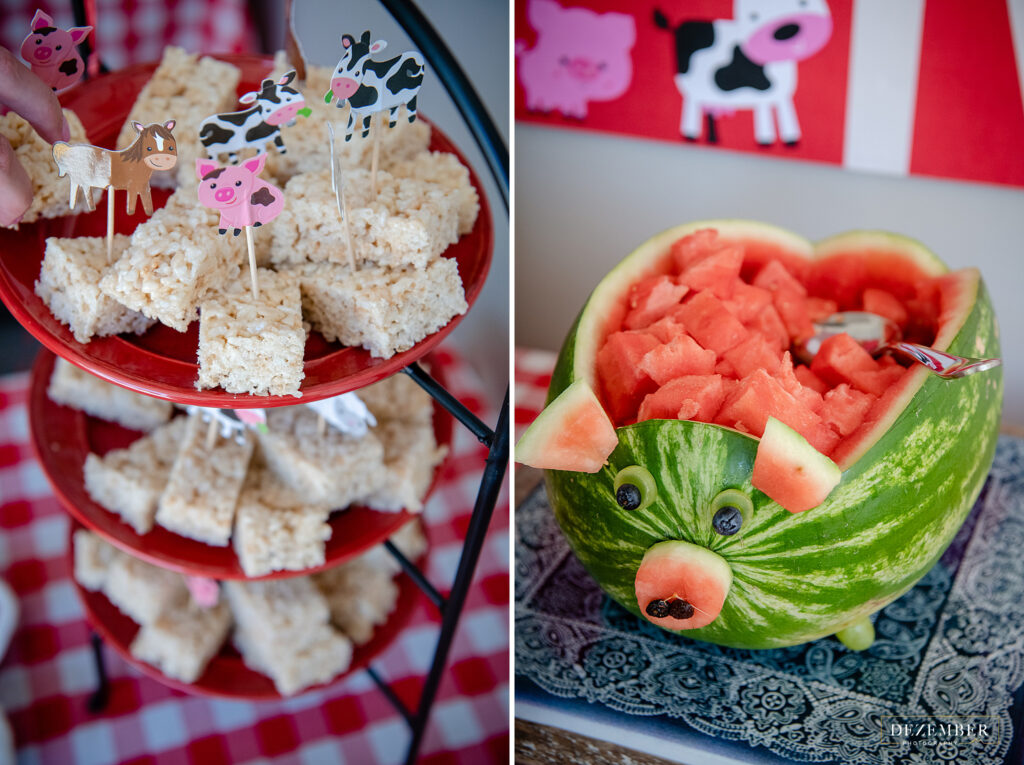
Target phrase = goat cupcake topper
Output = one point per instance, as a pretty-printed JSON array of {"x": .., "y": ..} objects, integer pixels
[
  {"x": 91, "y": 167},
  {"x": 52, "y": 52}
]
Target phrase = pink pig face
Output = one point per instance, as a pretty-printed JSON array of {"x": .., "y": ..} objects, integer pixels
[
  {"x": 52, "y": 54},
  {"x": 580, "y": 56},
  {"x": 242, "y": 198}
]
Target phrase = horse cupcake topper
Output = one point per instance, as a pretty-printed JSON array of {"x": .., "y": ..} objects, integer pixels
[
  {"x": 52, "y": 53},
  {"x": 91, "y": 167}
]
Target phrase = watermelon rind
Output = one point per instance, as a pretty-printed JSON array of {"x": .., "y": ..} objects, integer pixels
[
  {"x": 907, "y": 484},
  {"x": 809, "y": 470},
  {"x": 550, "y": 442}
]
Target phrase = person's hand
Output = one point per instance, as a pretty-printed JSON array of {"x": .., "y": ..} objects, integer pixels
[{"x": 24, "y": 93}]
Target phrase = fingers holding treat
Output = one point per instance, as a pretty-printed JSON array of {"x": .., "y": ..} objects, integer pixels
[{"x": 23, "y": 92}]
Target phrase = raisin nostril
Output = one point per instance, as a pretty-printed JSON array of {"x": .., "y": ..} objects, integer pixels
[
  {"x": 657, "y": 609},
  {"x": 786, "y": 32},
  {"x": 680, "y": 609}
]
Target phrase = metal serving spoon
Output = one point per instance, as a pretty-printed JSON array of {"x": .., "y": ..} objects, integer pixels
[{"x": 878, "y": 334}]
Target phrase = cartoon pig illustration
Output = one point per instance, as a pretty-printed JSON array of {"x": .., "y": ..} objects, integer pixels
[
  {"x": 242, "y": 198},
  {"x": 580, "y": 56},
  {"x": 51, "y": 52}
]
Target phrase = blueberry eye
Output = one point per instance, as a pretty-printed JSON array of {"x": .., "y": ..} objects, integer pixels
[
  {"x": 635, "y": 488},
  {"x": 730, "y": 509}
]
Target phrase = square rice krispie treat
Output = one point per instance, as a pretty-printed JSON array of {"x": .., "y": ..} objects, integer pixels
[
  {"x": 411, "y": 454},
  {"x": 398, "y": 397},
  {"x": 324, "y": 655},
  {"x": 187, "y": 89},
  {"x": 129, "y": 481},
  {"x": 306, "y": 141},
  {"x": 444, "y": 170},
  {"x": 143, "y": 591},
  {"x": 175, "y": 258},
  {"x": 408, "y": 223},
  {"x": 93, "y": 558},
  {"x": 360, "y": 596},
  {"x": 76, "y": 388},
  {"x": 276, "y": 529},
  {"x": 253, "y": 345},
  {"x": 181, "y": 641},
  {"x": 202, "y": 490},
  {"x": 335, "y": 469},
  {"x": 382, "y": 309},
  {"x": 51, "y": 195},
  {"x": 69, "y": 283}
]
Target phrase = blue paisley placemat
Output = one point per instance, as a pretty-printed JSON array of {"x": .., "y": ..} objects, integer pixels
[{"x": 941, "y": 684}]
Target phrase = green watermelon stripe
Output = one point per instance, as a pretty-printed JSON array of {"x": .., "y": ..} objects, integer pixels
[{"x": 795, "y": 577}]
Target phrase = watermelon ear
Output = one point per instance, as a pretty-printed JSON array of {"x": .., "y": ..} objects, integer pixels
[
  {"x": 791, "y": 471},
  {"x": 573, "y": 433}
]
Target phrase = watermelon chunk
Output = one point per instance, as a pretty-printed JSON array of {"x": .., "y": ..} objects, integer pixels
[
  {"x": 681, "y": 355},
  {"x": 884, "y": 304},
  {"x": 665, "y": 329},
  {"x": 572, "y": 433},
  {"x": 792, "y": 309},
  {"x": 769, "y": 324},
  {"x": 650, "y": 299},
  {"x": 694, "y": 397},
  {"x": 753, "y": 353},
  {"x": 623, "y": 383},
  {"x": 840, "y": 359},
  {"x": 718, "y": 272},
  {"x": 844, "y": 408},
  {"x": 691, "y": 248},
  {"x": 677, "y": 570},
  {"x": 787, "y": 378},
  {"x": 774, "y": 277},
  {"x": 810, "y": 380},
  {"x": 710, "y": 323},
  {"x": 748, "y": 301},
  {"x": 821, "y": 308},
  {"x": 791, "y": 471}
]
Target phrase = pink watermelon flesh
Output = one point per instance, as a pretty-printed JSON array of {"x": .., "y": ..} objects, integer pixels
[
  {"x": 718, "y": 273},
  {"x": 791, "y": 471},
  {"x": 692, "y": 248},
  {"x": 624, "y": 383},
  {"x": 707, "y": 319},
  {"x": 572, "y": 433},
  {"x": 775, "y": 278},
  {"x": 693, "y": 397},
  {"x": 678, "y": 357},
  {"x": 677, "y": 570},
  {"x": 650, "y": 298}
]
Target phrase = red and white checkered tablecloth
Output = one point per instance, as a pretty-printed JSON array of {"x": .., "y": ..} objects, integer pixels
[
  {"x": 48, "y": 674},
  {"x": 532, "y": 375}
]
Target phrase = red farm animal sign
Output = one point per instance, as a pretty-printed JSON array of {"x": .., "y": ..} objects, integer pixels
[{"x": 917, "y": 88}]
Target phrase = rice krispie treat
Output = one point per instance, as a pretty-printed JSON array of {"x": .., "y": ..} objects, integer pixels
[
  {"x": 408, "y": 223},
  {"x": 381, "y": 309},
  {"x": 181, "y": 641},
  {"x": 444, "y": 170},
  {"x": 308, "y": 149},
  {"x": 69, "y": 284},
  {"x": 276, "y": 529},
  {"x": 129, "y": 481},
  {"x": 335, "y": 469},
  {"x": 410, "y": 456},
  {"x": 282, "y": 630},
  {"x": 398, "y": 397},
  {"x": 360, "y": 596},
  {"x": 50, "y": 193},
  {"x": 143, "y": 591},
  {"x": 93, "y": 558},
  {"x": 76, "y": 388},
  {"x": 188, "y": 89},
  {"x": 175, "y": 258},
  {"x": 253, "y": 345},
  {"x": 202, "y": 490}
]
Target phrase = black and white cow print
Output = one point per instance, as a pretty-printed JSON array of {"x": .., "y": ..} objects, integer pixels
[
  {"x": 746, "y": 62},
  {"x": 273, "y": 105},
  {"x": 370, "y": 86}
]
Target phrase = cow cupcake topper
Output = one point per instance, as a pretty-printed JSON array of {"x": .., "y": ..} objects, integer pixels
[
  {"x": 370, "y": 87},
  {"x": 274, "y": 105},
  {"x": 91, "y": 167},
  {"x": 52, "y": 53},
  {"x": 242, "y": 198}
]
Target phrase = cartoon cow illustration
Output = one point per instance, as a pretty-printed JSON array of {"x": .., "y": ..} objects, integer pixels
[
  {"x": 52, "y": 54},
  {"x": 274, "y": 104},
  {"x": 372, "y": 86},
  {"x": 747, "y": 62},
  {"x": 580, "y": 56},
  {"x": 238, "y": 194}
]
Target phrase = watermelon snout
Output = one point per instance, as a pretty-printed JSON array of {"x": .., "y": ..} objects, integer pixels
[{"x": 682, "y": 586}]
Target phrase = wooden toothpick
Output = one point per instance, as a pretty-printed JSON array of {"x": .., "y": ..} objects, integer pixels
[
  {"x": 375, "y": 131},
  {"x": 338, "y": 187},
  {"x": 211, "y": 434},
  {"x": 110, "y": 223},
  {"x": 252, "y": 263}
]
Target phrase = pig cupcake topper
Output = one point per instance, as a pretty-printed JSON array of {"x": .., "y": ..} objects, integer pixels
[
  {"x": 274, "y": 105},
  {"x": 91, "y": 167},
  {"x": 243, "y": 199},
  {"x": 52, "y": 53}
]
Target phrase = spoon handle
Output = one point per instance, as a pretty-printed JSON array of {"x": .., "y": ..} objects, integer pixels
[{"x": 943, "y": 364}]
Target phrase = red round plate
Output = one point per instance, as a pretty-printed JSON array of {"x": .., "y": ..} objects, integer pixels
[
  {"x": 226, "y": 676},
  {"x": 162, "y": 362},
  {"x": 62, "y": 438}
]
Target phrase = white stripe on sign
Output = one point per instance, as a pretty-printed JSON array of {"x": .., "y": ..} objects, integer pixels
[
  {"x": 159, "y": 142},
  {"x": 881, "y": 94},
  {"x": 1016, "y": 9}
]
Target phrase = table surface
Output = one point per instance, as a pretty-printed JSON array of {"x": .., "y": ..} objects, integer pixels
[
  {"x": 969, "y": 661},
  {"x": 48, "y": 674}
]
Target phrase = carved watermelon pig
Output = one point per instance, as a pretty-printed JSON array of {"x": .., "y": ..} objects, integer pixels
[{"x": 711, "y": 485}]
